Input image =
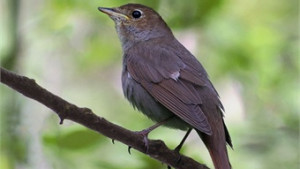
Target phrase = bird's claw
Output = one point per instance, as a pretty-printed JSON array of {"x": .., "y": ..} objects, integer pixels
[
  {"x": 129, "y": 148},
  {"x": 177, "y": 149},
  {"x": 178, "y": 159},
  {"x": 145, "y": 133}
]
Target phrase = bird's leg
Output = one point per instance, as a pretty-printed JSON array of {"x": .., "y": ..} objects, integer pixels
[
  {"x": 177, "y": 149},
  {"x": 146, "y": 131},
  {"x": 183, "y": 140}
]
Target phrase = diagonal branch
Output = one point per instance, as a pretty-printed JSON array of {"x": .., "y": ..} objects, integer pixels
[{"x": 84, "y": 116}]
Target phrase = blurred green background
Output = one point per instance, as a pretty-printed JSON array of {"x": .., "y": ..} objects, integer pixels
[{"x": 249, "y": 48}]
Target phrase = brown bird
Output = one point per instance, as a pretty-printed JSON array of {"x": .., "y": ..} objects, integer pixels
[{"x": 162, "y": 79}]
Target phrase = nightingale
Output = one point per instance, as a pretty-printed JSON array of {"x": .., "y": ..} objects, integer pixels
[{"x": 163, "y": 80}]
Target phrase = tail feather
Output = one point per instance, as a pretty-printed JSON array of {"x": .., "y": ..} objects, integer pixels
[
  {"x": 218, "y": 151},
  {"x": 220, "y": 159},
  {"x": 227, "y": 136}
]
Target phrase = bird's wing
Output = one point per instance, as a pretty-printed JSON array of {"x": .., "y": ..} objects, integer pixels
[{"x": 171, "y": 82}]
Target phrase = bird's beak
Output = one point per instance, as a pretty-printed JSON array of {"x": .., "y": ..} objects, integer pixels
[{"x": 113, "y": 13}]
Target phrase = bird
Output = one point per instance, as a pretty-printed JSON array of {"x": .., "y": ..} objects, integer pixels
[{"x": 166, "y": 82}]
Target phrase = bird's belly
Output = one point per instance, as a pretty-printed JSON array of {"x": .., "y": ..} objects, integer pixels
[{"x": 145, "y": 103}]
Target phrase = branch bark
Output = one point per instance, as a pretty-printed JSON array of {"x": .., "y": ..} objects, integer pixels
[{"x": 84, "y": 116}]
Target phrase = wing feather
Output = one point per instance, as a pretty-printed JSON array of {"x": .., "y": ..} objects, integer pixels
[
  {"x": 190, "y": 113},
  {"x": 170, "y": 81}
]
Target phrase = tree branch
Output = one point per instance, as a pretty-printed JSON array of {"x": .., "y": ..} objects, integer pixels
[{"x": 84, "y": 116}]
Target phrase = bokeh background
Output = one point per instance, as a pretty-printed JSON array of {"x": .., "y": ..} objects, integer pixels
[{"x": 249, "y": 48}]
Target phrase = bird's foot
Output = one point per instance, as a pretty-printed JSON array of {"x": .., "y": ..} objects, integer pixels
[
  {"x": 144, "y": 134},
  {"x": 177, "y": 150}
]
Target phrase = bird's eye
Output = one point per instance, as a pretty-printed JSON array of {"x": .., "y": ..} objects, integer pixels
[{"x": 136, "y": 14}]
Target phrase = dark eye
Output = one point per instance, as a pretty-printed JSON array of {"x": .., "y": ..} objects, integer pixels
[{"x": 136, "y": 14}]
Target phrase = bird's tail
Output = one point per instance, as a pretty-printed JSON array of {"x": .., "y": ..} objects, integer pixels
[
  {"x": 220, "y": 158},
  {"x": 217, "y": 149}
]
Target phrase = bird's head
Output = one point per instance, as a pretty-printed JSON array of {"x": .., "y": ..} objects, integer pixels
[{"x": 135, "y": 23}]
